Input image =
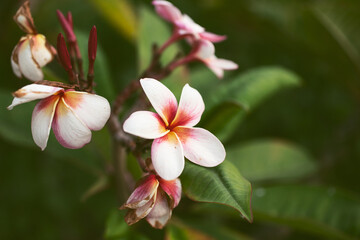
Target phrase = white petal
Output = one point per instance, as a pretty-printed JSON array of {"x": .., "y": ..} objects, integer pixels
[
  {"x": 205, "y": 50},
  {"x": 32, "y": 92},
  {"x": 224, "y": 64},
  {"x": 145, "y": 124},
  {"x": 68, "y": 129},
  {"x": 42, "y": 118},
  {"x": 91, "y": 109},
  {"x": 190, "y": 108},
  {"x": 173, "y": 190},
  {"x": 167, "y": 156},
  {"x": 212, "y": 37},
  {"x": 28, "y": 67},
  {"x": 161, "y": 98},
  {"x": 201, "y": 146},
  {"x": 161, "y": 212},
  {"x": 166, "y": 10},
  {"x": 219, "y": 72},
  {"x": 186, "y": 23},
  {"x": 40, "y": 51},
  {"x": 14, "y": 65}
]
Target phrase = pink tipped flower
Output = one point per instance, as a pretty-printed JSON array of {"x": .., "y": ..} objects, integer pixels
[
  {"x": 71, "y": 114},
  {"x": 154, "y": 198},
  {"x": 173, "y": 131},
  {"x": 32, "y": 51},
  {"x": 205, "y": 52},
  {"x": 183, "y": 24}
]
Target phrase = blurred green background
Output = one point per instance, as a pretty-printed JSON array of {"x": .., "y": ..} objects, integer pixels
[{"x": 42, "y": 193}]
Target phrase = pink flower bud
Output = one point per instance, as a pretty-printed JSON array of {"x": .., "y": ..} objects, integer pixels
[
  {"x": 67, "y": 27},
  {"x": 154, "y": 198},
  {"x": 69, "y": 18},
  {"x": 63, "y": 53}
]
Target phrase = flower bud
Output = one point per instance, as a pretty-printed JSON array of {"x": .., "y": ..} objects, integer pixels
[
  {"x": 154, "y": 198},
  {"x": 63, "y": 53},
  {"x": 67, "y": 26}
]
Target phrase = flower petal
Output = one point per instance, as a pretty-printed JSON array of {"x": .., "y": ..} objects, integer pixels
[
  {"x": 161, "y": 98},
  {"x": 134, "y": 215},
  {"x": 205, "y": 50},
  {"x": 28, "y": 67},
  {"x": 186, "y": 23},
  {"x": 212, "y": 37},
  {"x": 40, "y": 50},
  {"x": 161, "y": 212},
  {"x": 69, "y": 130},
  {"x": 190, "y": 108},
  {"x": 173, "y": 189},
  {"x": 219, "y": 72},
  {"x": 166, "y": 10},
  {"x": 24, "y": 19},
  {"x": 148, "y": 125},
  {"x": 143, "y": 193},
  {"x": 167, "y": 156},
  {"x": 32, "y": 92},
  {"x": 201, "y": 146},
  {"x": 14, "y": 65},
  {"x": 42, "y": 118},
  {"x": 91, "y": 109},
  {"x": 224, "y": 64}
]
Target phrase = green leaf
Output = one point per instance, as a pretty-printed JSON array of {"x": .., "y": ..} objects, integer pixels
[
  {"x": 248, "y": 90},
  {"x": 154, "y": 30},
  {"x": 321, "y": 210},
  {"x": 264, "y": 160},
  {"x": 222, "y": 184},
  {"x": 116, "y": 227}
]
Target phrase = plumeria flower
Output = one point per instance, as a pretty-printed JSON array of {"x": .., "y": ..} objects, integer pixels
[
  {"x": 154, "y": 198},
  {"x": 205, "y": 52},
  {"x": 32, "y": 51},
  {"x": 183, "y": 24},
  {"x": 71, "y": 114},
  {"x": 173, "y": 131}
]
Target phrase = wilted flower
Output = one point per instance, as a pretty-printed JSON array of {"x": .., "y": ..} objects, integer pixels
[
  {"x": 32, "y": 51},
  {"x": 71, "y": 114},
  {"x": 183, "y": 24},
  {"x": 205, "y": 52},
  {"x": 154, "y": 198},
  {"x": 173, "y": 131}
]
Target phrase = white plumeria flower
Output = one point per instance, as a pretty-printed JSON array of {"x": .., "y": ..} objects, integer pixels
[
  {"x": 183, "y": 24},
  {"x": 71, "y": 114},
  {"x": 205, "y": 52},
  {"x": 173, "y": 131},
  {"x": 32, "y": 51}
]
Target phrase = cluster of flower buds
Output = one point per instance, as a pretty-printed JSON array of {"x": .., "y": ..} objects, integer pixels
[
  {"x": 154, "y": 198},
  {"x": 71, "y": 113},
  {"x": 202, "y": 42},
  {"x": 32, "y": 51}
]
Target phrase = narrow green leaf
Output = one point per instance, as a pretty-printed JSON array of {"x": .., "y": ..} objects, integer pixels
[
  {"x": 321, "y": 210},
  {"x": 222, "y": 184},
  {"x": 264, "y": 160}
]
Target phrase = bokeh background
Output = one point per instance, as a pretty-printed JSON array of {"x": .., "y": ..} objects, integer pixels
[{"x": 42, "y": 193}]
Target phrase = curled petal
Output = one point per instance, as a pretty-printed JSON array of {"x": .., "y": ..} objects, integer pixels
[
  {"x": 134, "y": 215},
  {"x": 32, "y": 92},
  {"x": 212, "y": 37},
  {"x": 205, "y": 50},
  {"x": 69, "y": 130},
  {"x": 190, "y": 108},
  {"x": 187, "y": 24},
  {"x": 143, "y": 193},
  {"x": 14, "y": 65},
  {"x": 223, "y": 64},
  {"x": 161, "y": 212},
  {"x": 167, "y": 156},
  {"x": 173, "y": 190},
  {"x": 40, "y": 50},
  {"x": 93, "y": 110},
  {"x": 145, "y": 124},
  {"x": 219, "y": 72},
  {"x": 24, "y": 19},
  {"x": 42, "y": 118},
  {"x": 167, "y": 11},
  {"x": 28, "y": 66},
  {"x": 201, "y": 146},
  {"x": 161, "y": 98}
]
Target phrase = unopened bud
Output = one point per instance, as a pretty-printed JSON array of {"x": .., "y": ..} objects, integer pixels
[
  {"x": 66, "y": 27},
  {"x": 63, "y": 53},
  {"x": 92, "y": 45},
  {"x": 70, "y": 20}
]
